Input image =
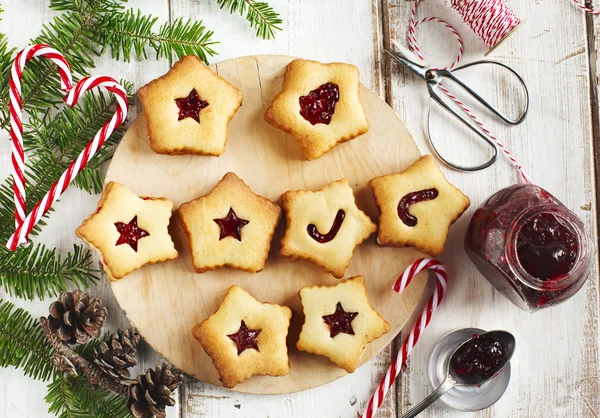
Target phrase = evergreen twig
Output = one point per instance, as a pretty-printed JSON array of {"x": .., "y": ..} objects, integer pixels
[{"x": 259, "y": 14}]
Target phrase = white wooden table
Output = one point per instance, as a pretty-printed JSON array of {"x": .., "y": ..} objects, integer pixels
[{"x": 556, "y": 369}]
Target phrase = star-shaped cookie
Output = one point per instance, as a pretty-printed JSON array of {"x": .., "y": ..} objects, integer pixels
[
  {"x": 417, "y": 207},
  {"x": 188, "y": 109},
  {"x": 319, "y": 105},
  {"x": 128, "y": 231},
  {"x": 245, "y": 338},
  {"x": 324, "y": 226},
  {"x": 339, "y": 322},
  {"x": 231, "y": 226}
]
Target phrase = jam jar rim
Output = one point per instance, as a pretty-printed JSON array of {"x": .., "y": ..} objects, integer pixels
[{"x": 581, "y": 261}]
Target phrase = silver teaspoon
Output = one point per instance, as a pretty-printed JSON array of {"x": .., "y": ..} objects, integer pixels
[{"x": 498, "y": 346}]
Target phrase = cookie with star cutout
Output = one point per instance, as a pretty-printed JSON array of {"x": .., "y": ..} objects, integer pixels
[
  {"x": 246, "y": 337},
  {"x": 231, "y": 226},
  {"x": 188, "y": 109},
  {"x": 339, "y": 322},
  {"x": 417, "y": 207},
  {"x": 324, "y": 226},
  {"x": 128, "y": 231},
  {"x": 319, "y": 106}
]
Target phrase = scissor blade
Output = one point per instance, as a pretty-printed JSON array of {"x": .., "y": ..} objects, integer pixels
[{"x": 402, "y": 58}]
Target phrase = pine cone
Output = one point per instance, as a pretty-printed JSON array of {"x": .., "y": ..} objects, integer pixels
[
  {"x": 149, "y": 397},
  {"x": 76, "y": 316},
  {"x": 63, "y": 364},
  {"x": 116, "y": 354}
]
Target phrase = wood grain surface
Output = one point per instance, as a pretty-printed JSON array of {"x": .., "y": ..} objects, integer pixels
[
  {"x": 556, "y": 371},
  {"x": 271, "y": 163}
]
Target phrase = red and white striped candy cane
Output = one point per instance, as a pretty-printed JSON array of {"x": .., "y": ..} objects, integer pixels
[
  {"x": 85, "y": 84},
  {"x": 415, "y": 333},
  {"x": 16, "y": 113}
]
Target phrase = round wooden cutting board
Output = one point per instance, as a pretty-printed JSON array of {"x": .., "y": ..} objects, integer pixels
[{"x": 165, "y": 301}]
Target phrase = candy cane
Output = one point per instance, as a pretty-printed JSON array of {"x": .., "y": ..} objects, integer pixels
[
  {"x": 415, "y": 333},
  {"x": 16, "y": 113},
  {"x": 42, "y": 207}
]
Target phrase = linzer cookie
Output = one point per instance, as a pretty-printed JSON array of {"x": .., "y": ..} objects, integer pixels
[
  {"x": 128, "y": 231},
  {"x": 231, "y": 226},
  {"x": 188, "y": 109},
  {"x": 417, "y": 207},
  {"x": 319, "y": 105},
  {"x": 339, "y": 322},
  {"x": 245, "y": 338},
  {"x": 324, "y": 226}
]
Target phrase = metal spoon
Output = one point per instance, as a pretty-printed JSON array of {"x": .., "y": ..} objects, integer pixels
[{"x": 453, "y": 378}]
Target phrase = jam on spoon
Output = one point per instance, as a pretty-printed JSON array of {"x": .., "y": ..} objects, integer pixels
[
  {"x": 480, "y": 357},
  {"x": 473, "y": 363},
  {"x": 318, "y": 106},
  {"x": 335, "y": 227},
  {"x": 411, "y": 199}
]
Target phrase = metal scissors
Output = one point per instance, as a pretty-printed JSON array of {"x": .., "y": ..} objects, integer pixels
[{"x": 434, "y": 78}]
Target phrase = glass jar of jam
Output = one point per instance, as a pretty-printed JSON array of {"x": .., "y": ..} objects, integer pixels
[{"x": 529, "y": 246}]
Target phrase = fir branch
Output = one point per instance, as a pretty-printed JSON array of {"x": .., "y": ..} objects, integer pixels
[
  {"x": 23, "y": 343},
  {"x": 260, "y": 15},
  {"x": 35, "y": 271},
  {"x": 76, "y": 397},
  {"x": 131, "y": 32}
]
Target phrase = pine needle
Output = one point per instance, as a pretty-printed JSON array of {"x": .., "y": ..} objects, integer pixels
[
  {"x": 23, "y": 343},
  {"x": 260, "y": 15}
]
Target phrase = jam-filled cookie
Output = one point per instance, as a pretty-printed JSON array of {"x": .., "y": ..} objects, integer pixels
[
  {"x": 324, "y": 226},
  {"x": 319, "y": 105},
  {"x": 128, "y": 231},
  {"x": 231, "y": 226},
  {"x": 417, "y": 207},
  {"x": 245, "y": 338},
  {"x": 188, "y": 109},
  {"x": 339, "y": 322}
]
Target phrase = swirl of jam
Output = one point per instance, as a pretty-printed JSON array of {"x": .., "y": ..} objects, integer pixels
[
  {"x": 323, "y": 238},
  {"x": 411, "y": 199}
]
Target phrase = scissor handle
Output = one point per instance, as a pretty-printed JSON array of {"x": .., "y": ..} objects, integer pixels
[
  {"x": 435, "y": 96},
  {"x": 441, "y": 74}
]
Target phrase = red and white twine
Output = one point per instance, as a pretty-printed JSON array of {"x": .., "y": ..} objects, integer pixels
[
  {"x": 585, "y": 8},
  {"x": 492, "y": 20},
  {"x": 24, "y": 224},
  {"x": 412, "y": 339}
]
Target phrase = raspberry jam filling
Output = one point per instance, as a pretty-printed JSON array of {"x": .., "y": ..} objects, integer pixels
[
  {"x": 131, "y": 233},
  {"x": 481, "y": 357},
  {"x": 411, "y": 199},
  {"x": 547, "y": 249},
  {"x": 340, "y": 321},
  {"x": 318, "y": 106},
  {"x": 190, "y": 106},
  {"x": 245, "y": 338},
  {"x": 231, "y": 225},
  {"x": 323, "y": 238}
]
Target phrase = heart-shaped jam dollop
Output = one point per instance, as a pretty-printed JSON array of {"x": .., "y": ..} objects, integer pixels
[
  {"x": 191, "y": 106},
  {"x": 131, "y": 233},
  {"x": 245, "y": 338},
  {"x": 411, "y": 199},
  {"x": 323, "y": 238},
  {"x": 340, "y": 321},
  {"x": 318, "y": 106}
]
